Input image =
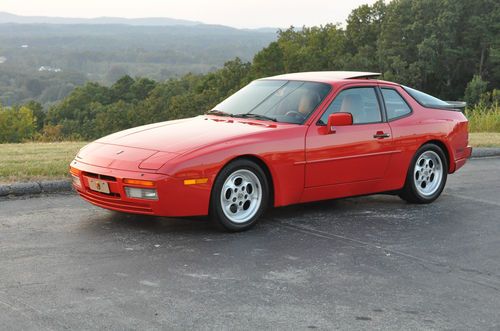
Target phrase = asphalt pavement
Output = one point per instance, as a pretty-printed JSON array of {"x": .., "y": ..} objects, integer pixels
[{"x": 360, "y": 263}]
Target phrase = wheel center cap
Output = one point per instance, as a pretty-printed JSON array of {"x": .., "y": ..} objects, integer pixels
[{"x": 240, "y": 195}]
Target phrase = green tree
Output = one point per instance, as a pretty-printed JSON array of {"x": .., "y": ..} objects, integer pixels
[
  {"x": 38, "y": 112},
  {"x": 475, "y": 89},
  {"x": 16, "y": 124},
  {"x": 363, "y": 28},
  {"x": 269, "y": 61}
]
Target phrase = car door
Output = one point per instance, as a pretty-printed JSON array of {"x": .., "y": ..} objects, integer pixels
[{"x": 353, "y": 153}]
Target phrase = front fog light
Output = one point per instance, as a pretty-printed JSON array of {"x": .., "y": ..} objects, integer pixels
[{"x": 141, "y": 193}]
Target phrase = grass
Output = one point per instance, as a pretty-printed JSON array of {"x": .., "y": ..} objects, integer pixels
[
  {"x": 36, "y": 161},
  {"x": 484, "y": 139},
  {"x": 484, "y": 118}
]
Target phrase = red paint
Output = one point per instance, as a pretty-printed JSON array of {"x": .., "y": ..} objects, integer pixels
[
  {"x": 306, "y": 162},
  {"x": 338, "y": 119}
]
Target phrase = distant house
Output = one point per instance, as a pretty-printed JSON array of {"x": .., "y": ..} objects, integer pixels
[
  {"x": 49, "y": 68},
  {"x": 25, "y": 46},
  {"x": 2, "y": 59}
]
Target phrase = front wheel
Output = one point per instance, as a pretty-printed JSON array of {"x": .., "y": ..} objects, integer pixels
[
  {"x": 426, "y": 176},
  {"x": 239, "y": 196}
]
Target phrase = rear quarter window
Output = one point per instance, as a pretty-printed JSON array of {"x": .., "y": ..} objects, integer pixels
[
  {"x": 425, "y": 99},
  {"x": 395, "y": 105}
]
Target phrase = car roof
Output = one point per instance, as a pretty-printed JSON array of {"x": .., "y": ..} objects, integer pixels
[{"x": 326, "y": 76}]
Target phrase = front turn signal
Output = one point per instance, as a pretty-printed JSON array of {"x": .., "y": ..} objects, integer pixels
[
  {"x": 74, "y": 171},
  {"x": 195, "y": 181},
  {"x": 139, "y": 182}
]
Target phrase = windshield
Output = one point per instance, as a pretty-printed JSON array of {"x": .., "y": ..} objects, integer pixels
[
  {"x": 426, "y": 100},
  {"x": 276, "y": 100}
]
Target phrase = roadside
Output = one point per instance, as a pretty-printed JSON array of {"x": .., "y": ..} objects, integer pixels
[
  {"x": 32, "y": 188},
  {"x": 478, "y": 152}
]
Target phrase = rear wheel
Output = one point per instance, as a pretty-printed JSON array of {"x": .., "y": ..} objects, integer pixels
[
  {"x": 239, "y": 196},
  {"x": 426, "y": 176}
]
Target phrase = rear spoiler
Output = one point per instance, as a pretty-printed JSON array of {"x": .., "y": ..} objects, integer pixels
[
  {"x": 362, "y": 75},
  {"x": 456, "y": 105}
]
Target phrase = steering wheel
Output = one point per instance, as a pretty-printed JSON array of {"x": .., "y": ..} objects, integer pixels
[{"x": 295, "y": 113}]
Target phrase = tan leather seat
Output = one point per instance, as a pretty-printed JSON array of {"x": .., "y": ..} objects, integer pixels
[
  {"x": 308, "y": 101},
  {"x": 353, "y": 103}
]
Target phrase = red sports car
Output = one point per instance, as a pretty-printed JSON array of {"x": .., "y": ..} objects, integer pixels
[{"x": 278, "y": 141}]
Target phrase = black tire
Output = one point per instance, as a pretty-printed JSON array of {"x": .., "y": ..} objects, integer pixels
[
  {"x": 413, "y": 194},
  {"x": 258, "y": 182}
]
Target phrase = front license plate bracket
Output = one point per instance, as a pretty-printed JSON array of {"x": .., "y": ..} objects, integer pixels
[{"x": 99, "y": 186}]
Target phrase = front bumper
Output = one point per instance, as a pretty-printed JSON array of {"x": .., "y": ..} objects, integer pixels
[{"x": 174, "y": 198}]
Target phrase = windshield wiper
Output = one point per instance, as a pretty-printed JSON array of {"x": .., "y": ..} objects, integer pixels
[
  {"x": 218, "y": 113},
  {"x": 247, "y": 115},
  {"x": 256, "y": 116}
]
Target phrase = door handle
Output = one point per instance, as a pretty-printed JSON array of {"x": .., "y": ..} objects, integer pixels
[{"x": 381, "y": 135}]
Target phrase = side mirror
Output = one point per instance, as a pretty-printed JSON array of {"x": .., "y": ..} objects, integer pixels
[{"x": 338, "y": 119}]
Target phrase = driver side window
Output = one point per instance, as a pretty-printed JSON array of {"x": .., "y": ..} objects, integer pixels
[{"x": 361, "y": 102}]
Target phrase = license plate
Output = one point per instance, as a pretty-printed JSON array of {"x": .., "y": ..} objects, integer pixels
[{"x": 99, "y": 186}]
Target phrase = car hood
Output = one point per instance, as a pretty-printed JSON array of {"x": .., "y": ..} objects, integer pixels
[
  {"x": 181, "y": 136},
  {"x": 151, "y": 146}
]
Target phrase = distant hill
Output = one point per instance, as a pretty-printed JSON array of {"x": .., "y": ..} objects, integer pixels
[
  {"x": 148, "y": 21},
  {"x": 43, "y": 61}
]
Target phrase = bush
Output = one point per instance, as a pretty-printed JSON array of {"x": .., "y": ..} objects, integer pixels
[
  {"x": 51, "y": 133},
  {"x": 490, "y": 98}
]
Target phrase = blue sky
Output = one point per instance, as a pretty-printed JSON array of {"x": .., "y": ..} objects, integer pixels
[{"x": 237, "y": 13}]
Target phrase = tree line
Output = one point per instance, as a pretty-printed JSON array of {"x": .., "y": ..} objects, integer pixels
[{"x": 450, "y": 49}]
